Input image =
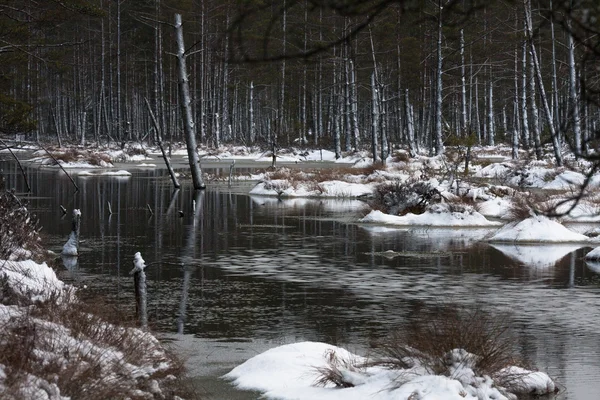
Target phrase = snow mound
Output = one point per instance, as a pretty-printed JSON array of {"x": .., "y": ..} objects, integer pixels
[
  {"x": 121, "y": 172},
  {"x": 292, "y": 371},
  {"x": 593, "y": 255},
  {"x": 537, "y": 229},
  {"x": 438, "y": 215},
  {"x": 284, "y": 188},
  {"x": 31, "y": 280}
]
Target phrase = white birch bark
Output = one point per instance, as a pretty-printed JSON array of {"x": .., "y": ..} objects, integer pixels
[
  {"x": 540, "y": 83},
  {"x": 573, "y": 97},
  {"x": 439, "y": 139},
  {"x": 374, "y": 117},
  {"x": 186, "y": 109}
]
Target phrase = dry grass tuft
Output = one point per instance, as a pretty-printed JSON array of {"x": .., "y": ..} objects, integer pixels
[
  {"x": 403, "y": 198},
  {"x": 63, "y": 344},
  {"x": 19, "y": 229},
  {"x": 73, "y": 155},
  {"x": 429, "y": 340}
]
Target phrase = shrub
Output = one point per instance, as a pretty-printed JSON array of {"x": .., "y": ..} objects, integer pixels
[
  {"x": 429, "y": 339},
  {"x": 19, "y": 229},
  {"x": 402, "y": 198}
]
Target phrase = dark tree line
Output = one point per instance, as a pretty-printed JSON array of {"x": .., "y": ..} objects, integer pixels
[{"x": 339, "y": 74}]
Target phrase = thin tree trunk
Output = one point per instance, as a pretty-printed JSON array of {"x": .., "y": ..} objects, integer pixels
[
  {"x": 186, "y": 109},
  {"x": 374, "y": 117},
  {"x": 540, "y": 83}
]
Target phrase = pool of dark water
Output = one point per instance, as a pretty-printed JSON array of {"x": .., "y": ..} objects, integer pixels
[{"x": 231, "y": 275}]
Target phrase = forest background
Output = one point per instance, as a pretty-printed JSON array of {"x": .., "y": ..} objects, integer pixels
[{"x": 342, "y": 75}]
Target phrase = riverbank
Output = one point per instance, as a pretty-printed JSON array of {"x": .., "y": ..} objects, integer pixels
[{"x": 55, "y": 346}]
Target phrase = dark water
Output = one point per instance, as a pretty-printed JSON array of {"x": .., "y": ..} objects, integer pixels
[{"x": 240, "y": 274}]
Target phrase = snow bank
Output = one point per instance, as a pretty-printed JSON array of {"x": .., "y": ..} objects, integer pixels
[
  {"x": 438, "y": 215},
  {"x": 593, "y": 255},
  {"x": 121, "y": 172},
  {"x": 291, "y": 372},
  {"x": 29, "y": 279},
  {"x": 284, "y": 188},
  {"x": 537, "y": 229}
]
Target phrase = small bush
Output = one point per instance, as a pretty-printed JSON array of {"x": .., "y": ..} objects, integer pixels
[
  {"x": 19, "y": 230},
  {"x": 402, "y": 198},
  {"x": 429, "y": 339}
]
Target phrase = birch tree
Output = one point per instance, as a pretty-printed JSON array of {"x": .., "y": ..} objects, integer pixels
[{"x": 185, "y": 102}]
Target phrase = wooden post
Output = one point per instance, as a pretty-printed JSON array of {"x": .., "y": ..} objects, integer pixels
[{"x": 139, "y": 283}]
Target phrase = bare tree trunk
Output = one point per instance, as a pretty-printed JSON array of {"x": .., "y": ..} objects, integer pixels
[
  {"x": 410, "y": 125},
  {"x": 463, "y": 86},
  {"x": 439, "y": 138},
  {"x": 172, "y": 174},
  {"x": 355, "y": 131},
  {"x": 492, "y": 127},
  {"x": 540, "y": 83},
  {"x": 374, "y": 117},
  {"x": 186, "y": 109},
  {"x": 573, "y": 97},
  {"x": 524, "y": 116}
]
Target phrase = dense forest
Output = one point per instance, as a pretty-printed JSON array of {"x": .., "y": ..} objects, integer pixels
[{"x": 342, "y": 75}]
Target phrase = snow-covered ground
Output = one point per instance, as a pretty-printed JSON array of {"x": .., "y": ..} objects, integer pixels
[{"x": 294, "y": 371}]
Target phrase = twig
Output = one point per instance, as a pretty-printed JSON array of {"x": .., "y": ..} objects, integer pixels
[
  {"x": 162, "y": 150},
  {"x": 61, "y": 167},
  {"x": 109, "y": 208},
  {"x": 19, "y": 164},
  {"x": 64, "y": 210},
  {"x": 150, "y": 209}
]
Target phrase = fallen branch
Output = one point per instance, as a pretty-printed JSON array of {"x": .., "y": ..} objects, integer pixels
[
  {"x": 19, "y": 164},
  {"x": 61, "y": 167},
  {"x": 162, "y": 150}
]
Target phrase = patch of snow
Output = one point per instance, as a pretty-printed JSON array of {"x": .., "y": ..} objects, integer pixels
[
  {"x": 38, "y": 282},
  {"x": 291, "y": 372},
  {"x": 495, "y": 208},
  {"x": 438, "y": 215},
  {"x": 537, "y": 229},
  {"x": 594, "y": 254},
  {"x": 566, "y": 180},
  {"x": 523, "y": 381},
  {"x": 121, "y": 172}
]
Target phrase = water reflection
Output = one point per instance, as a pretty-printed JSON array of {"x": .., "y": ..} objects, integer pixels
[{"x": 235, "y": 266}]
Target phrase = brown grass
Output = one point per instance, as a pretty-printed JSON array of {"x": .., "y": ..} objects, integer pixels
[
  {"x": 19, "y": 229},
  {"x": 434, "y": 334},
  {"x": 95, "y": 360},
  {"x": 74, "y": 154},
  {"x": 429, "y": 340}
]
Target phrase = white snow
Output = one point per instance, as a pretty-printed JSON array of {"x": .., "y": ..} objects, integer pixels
[
  {"x": 593, "y": 255},
  {"x": 537, "y": 229},
  {"x": 120, "y": 172},
  {"x": 438, "y": 216},
  {"x": 284, "y": 188},
  {"x": 30, "y": 279},
  {"x": 291, "y": 372},
  {"x": 138, "y": 263}
]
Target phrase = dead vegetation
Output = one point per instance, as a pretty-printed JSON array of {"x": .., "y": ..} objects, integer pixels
[
  {"x": 440, "y": 341},
  {"x": 19, "y": 230},
  {"x": 401, "y": 198},
  {"x": 72, "y": 154},
  {"x": 428, "y": 339},
  {"x": 55, "y": 345},
  {"x": 61, "y": 346}
]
